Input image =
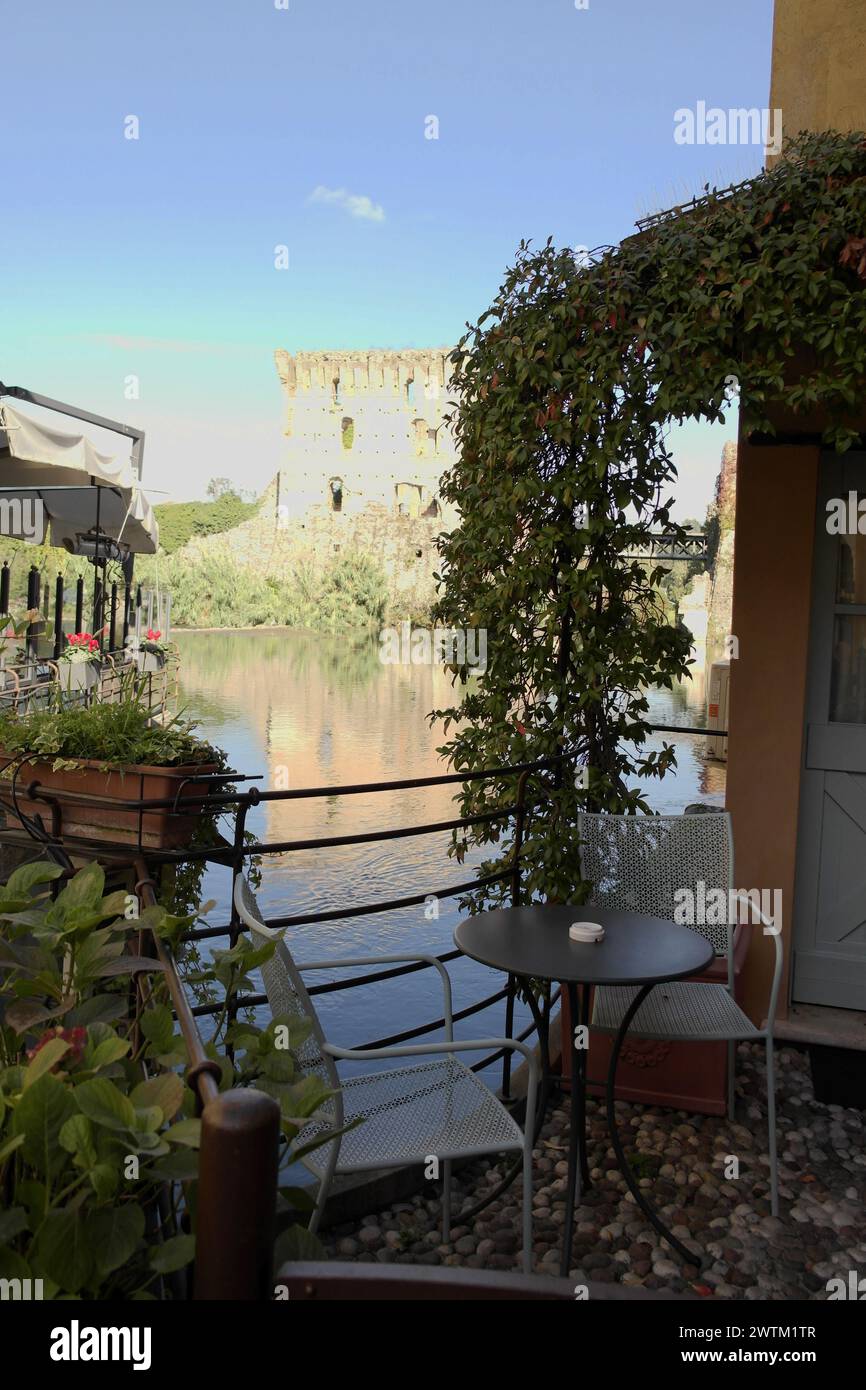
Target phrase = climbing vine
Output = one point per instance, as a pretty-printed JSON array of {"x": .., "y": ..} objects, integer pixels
[{"x": 566, "y": 388}]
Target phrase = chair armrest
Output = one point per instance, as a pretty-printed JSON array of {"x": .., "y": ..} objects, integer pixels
[
  {"x": 277, "y": 933},
  {"x": 354, "y": 1054}
]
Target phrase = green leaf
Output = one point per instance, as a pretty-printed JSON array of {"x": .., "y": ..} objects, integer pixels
[
  {"x": 297, "y": 1243},
  {"x": 83, "y": 891},
  {"x": 62, "y": 1251},
  {"x": 166, "y": 1091},
  {"x": 180, "y": 1165},
  {"x": 12, "y": 1222},
  {"x": 157, "y": 1025},
  {"x": 105, "y": 1180},
  {"x": 108, "y": 1051},
  {"x": 187, "y": 1132},
  {"x": 172, "y": 1254},
  {"x": 76, "y": 1137},
  {"x": 47, "y": 1057},
  {"x": 100, "y": 1008},
  {"x": 104, "y": 1104},
  {"x": 13, "y": 1266},
  {"x": 39, "y": 1116},
  {"x": 29, "y": 876},
  {"x": 114, "y": 1235},
  {"x": 129, "y": 965},
  {"x": 25, "y": 1013}
]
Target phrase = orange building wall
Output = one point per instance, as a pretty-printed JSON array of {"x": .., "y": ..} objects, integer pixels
[{"x": 775, "y": 520}]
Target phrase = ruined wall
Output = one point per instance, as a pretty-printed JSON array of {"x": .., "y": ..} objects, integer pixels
[
  {"x": 362, "y": 428},
  {"x": 274, "y": 543}
]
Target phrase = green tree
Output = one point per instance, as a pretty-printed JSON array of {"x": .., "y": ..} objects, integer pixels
[
  {"x": 566, "y": 389},
  {"x": 217, "y": 487}
]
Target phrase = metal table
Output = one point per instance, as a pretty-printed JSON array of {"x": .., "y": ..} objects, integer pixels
[{"x": 532, "y": 943}]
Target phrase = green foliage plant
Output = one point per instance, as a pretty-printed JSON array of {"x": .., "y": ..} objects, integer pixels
[
  {"x": 98, "y": 1134},
  {"x": 567, "y": 386}
]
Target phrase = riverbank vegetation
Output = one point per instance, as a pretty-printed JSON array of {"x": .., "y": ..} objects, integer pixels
[{"x": 212, "y": 589}]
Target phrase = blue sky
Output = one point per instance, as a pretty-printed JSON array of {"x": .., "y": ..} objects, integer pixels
[{"x": 155, "y": 257}]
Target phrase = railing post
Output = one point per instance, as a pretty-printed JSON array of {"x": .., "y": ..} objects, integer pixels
[
  {"x": 237, "y": 1195},
  {"x": 4, "y": 588},
  {"x": 519, "y": 821},
  {"x": 112, "y": 620},
  {"x": 79, "y": 603},
  {"x": 33, "y": 594},
  {"x": 58, "y": 616},
  {"x": 127, "y": 602}
]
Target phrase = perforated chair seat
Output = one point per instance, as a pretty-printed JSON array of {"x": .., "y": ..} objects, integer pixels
[
  {"x": 438, "y": 1107},
  {"x": 678, "y": 1010}
]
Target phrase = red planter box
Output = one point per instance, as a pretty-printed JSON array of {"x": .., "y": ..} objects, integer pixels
[
  {"x": 160, "y": 829},
  {"x": 682, "y": 1075}
]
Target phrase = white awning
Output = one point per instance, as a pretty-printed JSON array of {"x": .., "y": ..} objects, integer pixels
[{"x": 64, "y": 471}]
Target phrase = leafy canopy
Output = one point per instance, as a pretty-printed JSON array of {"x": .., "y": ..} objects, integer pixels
[{"x": 567, "y": 385}]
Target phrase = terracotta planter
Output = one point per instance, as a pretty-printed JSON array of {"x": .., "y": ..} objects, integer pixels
[
  {"x": 688, "y": 1076},
  {"x": 158, "y": 829}
]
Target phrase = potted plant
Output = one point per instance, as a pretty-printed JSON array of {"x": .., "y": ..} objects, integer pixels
[
  {"x": 80, "y": 663},
  {"x": 116, "y": 751},
  {"x": 151, "y": 652}
]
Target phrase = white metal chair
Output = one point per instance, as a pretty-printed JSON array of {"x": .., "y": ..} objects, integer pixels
[
  {"x": 638, "y": 864},
  {"x": 436, "y": 1108}
]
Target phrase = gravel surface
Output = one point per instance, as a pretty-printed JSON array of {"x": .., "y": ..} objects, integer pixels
[{"x": 684, "y": 1163}]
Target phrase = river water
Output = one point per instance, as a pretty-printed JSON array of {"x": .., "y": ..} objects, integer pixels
[{"x": 308, "y": 710}]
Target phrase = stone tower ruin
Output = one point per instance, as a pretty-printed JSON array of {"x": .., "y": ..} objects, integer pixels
[{"x": 365, "y": 428}]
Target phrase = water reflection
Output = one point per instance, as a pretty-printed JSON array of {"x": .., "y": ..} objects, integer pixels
[{"x": 323, "y": 711}]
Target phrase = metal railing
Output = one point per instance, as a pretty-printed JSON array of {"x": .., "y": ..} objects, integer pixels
[{"x": 240, "y": 1127}]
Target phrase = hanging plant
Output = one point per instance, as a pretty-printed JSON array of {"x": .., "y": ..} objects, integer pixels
[{"x": 567, "y": 385}]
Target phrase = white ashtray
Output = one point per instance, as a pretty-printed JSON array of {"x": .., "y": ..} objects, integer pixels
[{"x": 586, "y": 931}]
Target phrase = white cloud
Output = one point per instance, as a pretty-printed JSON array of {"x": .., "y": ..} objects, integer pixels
[{"x": 356, "y": 204}]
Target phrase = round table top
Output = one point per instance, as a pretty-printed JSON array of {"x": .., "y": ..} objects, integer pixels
[{"x": 534, "y": 941}]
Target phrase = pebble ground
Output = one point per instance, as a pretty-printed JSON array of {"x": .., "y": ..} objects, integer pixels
[{"x": 684, "y": 1163}]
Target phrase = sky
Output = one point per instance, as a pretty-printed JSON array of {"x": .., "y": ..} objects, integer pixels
[{"x": 148, "y": 265}]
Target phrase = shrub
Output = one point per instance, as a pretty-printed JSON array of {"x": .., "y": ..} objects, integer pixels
[{"x": 180, "y": 522}]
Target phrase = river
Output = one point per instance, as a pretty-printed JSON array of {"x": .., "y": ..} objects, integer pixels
[{"x": 318, "y": 711}]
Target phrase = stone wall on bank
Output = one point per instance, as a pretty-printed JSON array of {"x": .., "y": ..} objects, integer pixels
[{"x": 272, "y": 542}]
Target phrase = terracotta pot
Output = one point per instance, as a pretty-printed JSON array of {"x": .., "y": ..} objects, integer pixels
[
  {"x": 158, "y": 829},
  {"x": 688, "y": 1076}
]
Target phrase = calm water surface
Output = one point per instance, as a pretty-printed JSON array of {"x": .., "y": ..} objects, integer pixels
[{"x": 326, "y": 710}]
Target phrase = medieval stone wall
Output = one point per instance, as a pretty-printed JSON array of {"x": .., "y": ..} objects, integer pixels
[
  {"x": 273, "y": 542},
  {"x": 721, "y": 595},
  {"x": 362, "y": 428}
]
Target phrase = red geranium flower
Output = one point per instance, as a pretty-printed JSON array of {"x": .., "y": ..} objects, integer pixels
[{"x": 76, "y": 1037}]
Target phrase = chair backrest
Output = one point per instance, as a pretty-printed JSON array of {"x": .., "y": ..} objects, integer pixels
[
  {"x": 638, "y": 863},
  {"x": 287, "y": 994}
]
